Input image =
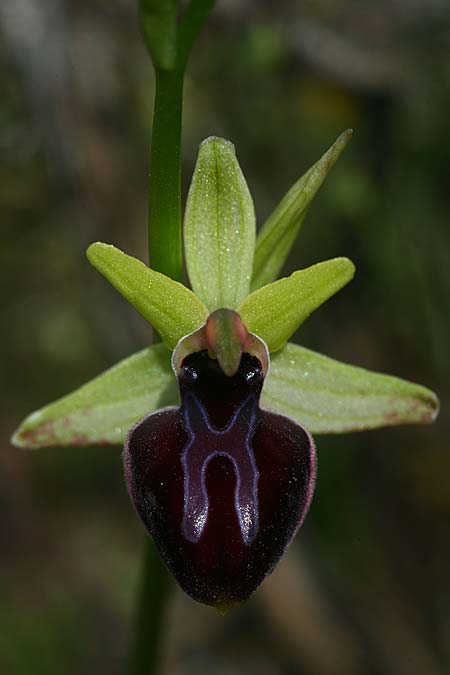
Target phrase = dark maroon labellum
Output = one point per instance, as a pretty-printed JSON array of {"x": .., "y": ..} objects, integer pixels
[{"x": 221, "y": 485}]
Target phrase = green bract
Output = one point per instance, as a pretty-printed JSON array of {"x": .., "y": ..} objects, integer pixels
[
  {"x": 280, "y": 230},
  {"x": 159, "y": 28},
  {"x": 322, "y": 394}
]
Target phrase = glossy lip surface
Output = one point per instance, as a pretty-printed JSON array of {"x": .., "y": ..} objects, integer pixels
[
  {"x": 223, "y": 555},
  {"x": 205, "y": 443}
]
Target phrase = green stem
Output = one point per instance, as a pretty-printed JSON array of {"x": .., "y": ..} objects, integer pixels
[
  {"x": 152, "y": 600},
  {"x": 165, "y": 254},
  {"x": 165, "y": 248},
  {"x": 165, "y": 176}
]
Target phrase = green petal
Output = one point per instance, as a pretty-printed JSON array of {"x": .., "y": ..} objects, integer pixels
[
  {"x": 275, "y": 311},
  {"x": 171, "y": 308},
  {"x": 103, "y": 410},
  {"x": 219, "y": 227},
  {"x": 277, "y": 235},
  {"x": 331, "y": 397}
]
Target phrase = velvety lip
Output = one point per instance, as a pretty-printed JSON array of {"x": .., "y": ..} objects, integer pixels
[{"x": 221, "y": 485}]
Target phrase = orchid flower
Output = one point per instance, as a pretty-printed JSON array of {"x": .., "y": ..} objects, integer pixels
[{"x": 221, "y": 468}]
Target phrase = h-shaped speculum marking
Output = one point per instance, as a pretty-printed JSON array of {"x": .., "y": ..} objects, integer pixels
[{"x": 207, "y": 442}]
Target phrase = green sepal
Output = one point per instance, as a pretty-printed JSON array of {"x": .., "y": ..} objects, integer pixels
[
  {"x": 158, "y": 19},
  {"x": 275, "y": 311},
  {"x": 171, "y": 308},
  {"x": 219, "y": 227},
  {"x": 103, "y": 410},
  {"x": 277, "y": 235},
  {"x": 331, "y": 397},
  {"x": 318, "y": 392}
]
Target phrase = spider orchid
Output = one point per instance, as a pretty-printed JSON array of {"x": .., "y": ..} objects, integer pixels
[{"x": 221, "y": 468}]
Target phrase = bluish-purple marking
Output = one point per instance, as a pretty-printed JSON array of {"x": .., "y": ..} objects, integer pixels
[{"x": 205, "y": 443}]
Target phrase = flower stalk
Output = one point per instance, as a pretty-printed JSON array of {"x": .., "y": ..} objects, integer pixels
[
  {"x": 164, "y": 209},
  {"x": 169, "y": 53}
]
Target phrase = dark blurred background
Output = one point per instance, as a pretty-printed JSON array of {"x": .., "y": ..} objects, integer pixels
[{"x": 365, "y": 589}]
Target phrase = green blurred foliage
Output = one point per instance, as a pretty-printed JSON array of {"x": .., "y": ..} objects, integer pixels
[{"x": 281, "y": 81}]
